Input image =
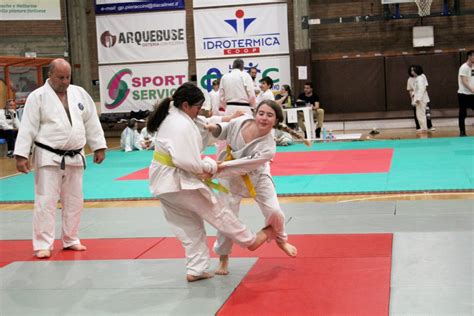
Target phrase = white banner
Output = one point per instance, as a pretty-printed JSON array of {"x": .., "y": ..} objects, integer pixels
[
  {"x": 241, "y": 31},
  {"x": 141, "y": 37},
  {"x": 275, "y": 67},
  {"x": 30, "y": 10},
  {"x": 221, "y": 3},
  {"x": 134, "y": 87}
]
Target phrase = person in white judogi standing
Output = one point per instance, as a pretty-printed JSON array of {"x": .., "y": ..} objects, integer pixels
[
  {"x": 236, "y": 90},
  {"x": 181, "y": 179},
  {"x": 58, "y": 119},
  {"x": 245, "y": 171}
]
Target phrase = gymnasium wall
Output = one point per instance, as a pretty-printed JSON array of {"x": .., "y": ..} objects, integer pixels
[{"x": 360, "y": 53}]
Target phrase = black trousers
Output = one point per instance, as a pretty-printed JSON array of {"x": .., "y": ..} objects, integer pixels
[
  {"x": 10, "y": 136},
  {"x": 465, "y": 101},
  {"x": 428, "y": 119}
]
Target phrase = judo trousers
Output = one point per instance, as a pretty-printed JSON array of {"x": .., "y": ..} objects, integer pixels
[
  {"x": 267, "y": 200},
  {"x": 52, "y": 185},
  {"x": 186, "y": 212}
]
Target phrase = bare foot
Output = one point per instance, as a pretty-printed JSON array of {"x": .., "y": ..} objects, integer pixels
[
  {"x": 77, "y": 247},
  {"x": 262, "y": 236},
  {"x": 43, "y": 254},
  {"x": 288, "y": 248},
  {"x": 223, "y": 268},
  {"x": 192, "y": 278}
]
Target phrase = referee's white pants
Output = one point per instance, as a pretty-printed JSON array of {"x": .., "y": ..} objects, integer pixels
[
  {"x": 51, "y": 185},
  {"x": 267, "y": 200},
  {"x": 186, "y": 212}
]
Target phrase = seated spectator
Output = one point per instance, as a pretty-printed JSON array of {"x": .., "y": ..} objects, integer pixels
[
  {"x": 285, "y": 98},
  {"x": 146, "y": 141},
  {"x": 282, "y": 138},
  {"x": 129, "y": 140},
  {"x": 312, "y": 100},
  {"x": 9, "y": 125},
  {"x": 266, "y": 85}
]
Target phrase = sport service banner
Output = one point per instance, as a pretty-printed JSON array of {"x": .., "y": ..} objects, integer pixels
[
  {"x": 134, "y": 87},
  {"x": 141, "y": 37},
  {"x": 127, "y": 6},
  {"x": 275, "y": 67},
  {"x": 241, "y": 31},
  {"x": 221, "y": 3}
]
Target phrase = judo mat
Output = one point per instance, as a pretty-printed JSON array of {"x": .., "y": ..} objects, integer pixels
[
  {"x": 342, "y": 273},
  {"x": 360, "y": 167}
]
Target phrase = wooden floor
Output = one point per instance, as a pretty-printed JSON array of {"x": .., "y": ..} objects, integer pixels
[{"x": 7, "y": 168}]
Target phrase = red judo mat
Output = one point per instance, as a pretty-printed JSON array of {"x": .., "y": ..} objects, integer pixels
[
  {"x": 344, "y": 274},
  {"x": 317, "y": 162}
]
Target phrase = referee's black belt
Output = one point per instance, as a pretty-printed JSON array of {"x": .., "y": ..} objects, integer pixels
[
  {"x": 238, "y": 103},
  {"x": 63, "y": 153}
]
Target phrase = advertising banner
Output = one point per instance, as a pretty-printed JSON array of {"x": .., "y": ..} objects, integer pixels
[
  {"x": 127, "y": 6},
  {"x": 241, "y": 31},
  {"x": 221, "y": 3},
  {"x": 134, "y": 87},
  {"x": 141, "y": 37},
  {"x": 13, "y": 10},
  {"x": 275, "y": 67}
]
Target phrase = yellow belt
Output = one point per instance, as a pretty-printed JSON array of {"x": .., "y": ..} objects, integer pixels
[
  {"x": 245, "y": 177},
  {"x": 166, "y": 160}
]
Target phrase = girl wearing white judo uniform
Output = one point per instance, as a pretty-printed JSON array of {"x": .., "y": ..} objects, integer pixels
[
  {"x": 59, "y": 119},
  {"x": 130, "y": 138},
  {"x": 177, "y": 177},
  {"x": 246, "y": 173}
]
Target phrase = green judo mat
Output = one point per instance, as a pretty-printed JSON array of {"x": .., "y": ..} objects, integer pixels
[{"x": 379, "y": 166}]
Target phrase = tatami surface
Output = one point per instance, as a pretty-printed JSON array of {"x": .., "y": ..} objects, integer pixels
[{"x": 430, "y": 261}]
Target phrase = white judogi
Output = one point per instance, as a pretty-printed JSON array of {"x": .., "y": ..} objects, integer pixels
[
  {"x": 237, "y": 86},
  {"x": 265, "y": 95},
  {"x": 252, "y": 159},
  {"x": 144, "y": 135},
  {"x": 420, "y": 94},
  {"x": 186, "y": 200},
  {"x": 45, "y": 121},
  {"x": 129, "y": 139},
  {"x": 9, "y": 121}
]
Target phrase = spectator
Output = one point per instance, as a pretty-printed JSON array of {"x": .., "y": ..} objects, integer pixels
[
  {"x": 266, "y": 85},
  {"x": 311, "y": 99},
  {"x": 253, "y": 74},
  {"x": 285, "y": 98},
  {"x": 9, "y": 125},
  {"x": 411, "y": 92},
  {"x": 236, "y": 90},
  {"x": 129, "y": 139},
  {"x": 215, "y": 101},
  {"x": 466, "y": 90},
  {"x": 146, "y": 140},
  {"x": 420, "y": 96}
]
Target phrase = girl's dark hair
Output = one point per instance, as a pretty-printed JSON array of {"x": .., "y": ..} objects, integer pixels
[
  {"x": 275, "y": 107},
  {"x": 187, "y": 92},
  {"x": 287, "y": 88},
  {"x": 418, "y": 69},
  {"x": 409, "y": 70},
  {"x": 131, "y": 123}
]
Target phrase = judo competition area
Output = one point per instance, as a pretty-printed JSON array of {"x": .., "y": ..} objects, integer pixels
[{"x": 383, "y": 226}]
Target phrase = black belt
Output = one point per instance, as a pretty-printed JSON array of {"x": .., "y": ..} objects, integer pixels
[
  {"x": 238, "y": 103},
  {"x": 63, "y": 153}
]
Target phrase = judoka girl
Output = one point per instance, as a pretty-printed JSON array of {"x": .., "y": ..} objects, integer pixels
[
  {"x": 178, "y": 177},
  {"x": 246, "y": 173}
]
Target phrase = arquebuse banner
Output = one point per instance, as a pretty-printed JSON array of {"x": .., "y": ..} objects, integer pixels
[
  {"x": 140, "y": 37},
  {"x": 241, "y": 31},
  {"x": 134, "y": 87}
]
